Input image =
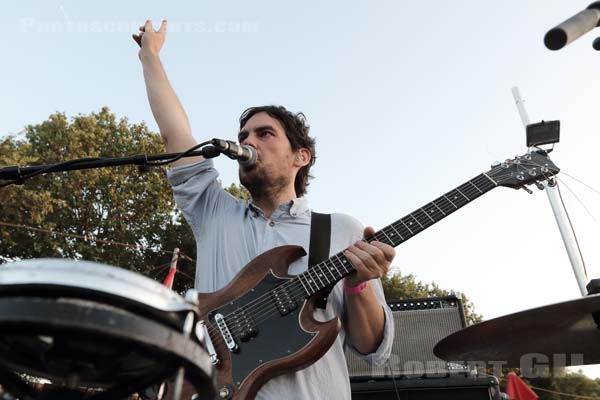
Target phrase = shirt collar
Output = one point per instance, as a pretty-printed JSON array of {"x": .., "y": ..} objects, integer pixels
[
  {"x": 298, "y": 206},
  {"x": 293, "y": 208}
]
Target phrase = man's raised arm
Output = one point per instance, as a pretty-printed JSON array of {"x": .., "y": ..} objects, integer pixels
[{"x": 167, "y": 110}]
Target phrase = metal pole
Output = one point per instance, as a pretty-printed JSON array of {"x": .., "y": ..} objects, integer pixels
[
  {"x": 567, "y": 234},
  {"x": 172, "y": 270}
]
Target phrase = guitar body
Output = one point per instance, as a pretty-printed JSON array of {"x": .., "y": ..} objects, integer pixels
[{"x": 288, "y": 343}]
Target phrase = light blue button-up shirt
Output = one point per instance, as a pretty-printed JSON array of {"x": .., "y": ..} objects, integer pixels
[{"x": 230, "y": 233}]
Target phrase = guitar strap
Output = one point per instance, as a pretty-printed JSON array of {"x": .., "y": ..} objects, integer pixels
[{"x": 320, "y": 241}]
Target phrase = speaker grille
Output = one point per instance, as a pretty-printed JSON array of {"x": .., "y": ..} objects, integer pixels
[
  {"x": 419, "y": 325},
  {"x": 451, "y": 388}
]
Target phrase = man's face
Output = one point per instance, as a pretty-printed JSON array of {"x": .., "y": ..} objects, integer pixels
[{"x": 275, "y": 167}]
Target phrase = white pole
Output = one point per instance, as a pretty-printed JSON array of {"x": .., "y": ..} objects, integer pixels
[{"x": 560, "y": 214}]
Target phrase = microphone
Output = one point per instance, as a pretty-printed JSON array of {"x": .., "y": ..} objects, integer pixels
[
  {"x": 569, "y": 30},
  {"x": 244, "y": 154}
]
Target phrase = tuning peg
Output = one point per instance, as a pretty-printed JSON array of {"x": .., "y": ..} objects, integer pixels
[{"x": 525, "y": 188}]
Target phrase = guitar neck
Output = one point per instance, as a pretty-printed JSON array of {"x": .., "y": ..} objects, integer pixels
[{"x": 332, "y": 270}]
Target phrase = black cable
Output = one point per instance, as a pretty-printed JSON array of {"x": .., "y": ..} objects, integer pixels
[
  {"x": 186, "y": 275},
  {"x": 155, "y": 271},
  {"x": 159, "y": 163}
]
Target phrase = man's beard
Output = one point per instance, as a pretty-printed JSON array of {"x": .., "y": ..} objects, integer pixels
[{"x": 259, "y": 183}]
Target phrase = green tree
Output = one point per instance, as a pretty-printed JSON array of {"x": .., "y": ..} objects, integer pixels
[
  {"x": 79, "y": 212},
  {"x": 238, "y": 191},
  {"x": 397, "y": 286},
  {"x": 561, "y": 384}
]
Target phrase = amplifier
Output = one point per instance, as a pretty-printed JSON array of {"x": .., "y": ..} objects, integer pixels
[
  {"x": 450, "y": 388},
  {"x": 419, "y": 325}
]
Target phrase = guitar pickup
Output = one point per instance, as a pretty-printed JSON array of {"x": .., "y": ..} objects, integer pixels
[
  {"x": 284, "y": 302},
  {"x": 244, "y": 323},
  {"x": 225, "y": 333}
]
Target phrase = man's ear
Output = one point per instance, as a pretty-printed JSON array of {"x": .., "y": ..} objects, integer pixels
[{"x": 303, "y": 157}]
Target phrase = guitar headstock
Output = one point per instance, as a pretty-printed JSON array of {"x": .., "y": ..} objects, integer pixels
[{"x": 524, "y": 170}]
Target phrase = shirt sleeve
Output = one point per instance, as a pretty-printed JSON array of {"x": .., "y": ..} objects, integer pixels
[
  {"x": 198, "y": 193},
  {"x": 381, "y": 355}
]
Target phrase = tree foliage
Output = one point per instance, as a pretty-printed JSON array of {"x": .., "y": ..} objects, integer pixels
[
  {"x": 397, "y": 286},
  {"x": 238, "y": 191},
  {"x": 562, "y": 384},
  {"x": 78, "y": 212}
]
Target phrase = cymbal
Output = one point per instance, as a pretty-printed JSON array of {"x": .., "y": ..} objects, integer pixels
[{"x": 561, "y": 334}]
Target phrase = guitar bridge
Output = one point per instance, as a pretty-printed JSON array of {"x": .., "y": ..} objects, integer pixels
[
  {"x": 204, "y": 336},
  {"x": 225, "y": 333}
]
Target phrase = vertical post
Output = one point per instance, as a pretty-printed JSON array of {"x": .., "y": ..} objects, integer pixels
[
  {"x": 188, "y": 325},
  {"x": 172, "y": 270},
  {"x": 566, "y": 232}
]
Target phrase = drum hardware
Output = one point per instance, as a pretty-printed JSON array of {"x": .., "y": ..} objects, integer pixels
[
  {"x": 187, "y": 329},
  {"x": 557, "y": 335},
  {"x": 96, "y": 332}
]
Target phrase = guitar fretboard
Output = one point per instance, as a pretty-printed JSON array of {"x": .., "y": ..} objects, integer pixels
[{"x": 330, "y": 271}]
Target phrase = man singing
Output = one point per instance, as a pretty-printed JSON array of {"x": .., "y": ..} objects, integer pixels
[{"x": 230, "y": 233}]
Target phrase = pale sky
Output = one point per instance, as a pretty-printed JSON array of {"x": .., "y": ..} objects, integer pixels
[{"x": 407, "y": 100}]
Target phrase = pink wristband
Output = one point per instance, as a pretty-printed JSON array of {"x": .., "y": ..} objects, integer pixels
[{"x": 353, "y": 290}]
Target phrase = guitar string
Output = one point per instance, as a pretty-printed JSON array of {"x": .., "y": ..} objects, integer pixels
[
  {"x": 247, "y": 306},
  {"x": 258, "y": 315},
  {"x": 262, "y": 314},
  {"x": 236, "y": 329},
  {"x": 258, "y": 318},
  {"x": 272, "y": 309},
  {"x": 292, "y": 287},
  {"x": 471, "y": 193}
]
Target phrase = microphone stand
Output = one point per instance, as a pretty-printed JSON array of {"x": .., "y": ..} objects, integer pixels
[
  {"x": 16, "y": 175},
  {"x": 566, "y": 231}
]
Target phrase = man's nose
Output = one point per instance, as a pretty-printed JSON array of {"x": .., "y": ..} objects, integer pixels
[{"x": 249, "y": 140}]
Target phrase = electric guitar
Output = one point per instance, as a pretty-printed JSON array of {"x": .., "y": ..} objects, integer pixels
[{"x": 246, "y": 321}]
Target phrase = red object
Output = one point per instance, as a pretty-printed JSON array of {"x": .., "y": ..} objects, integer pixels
[
  {"x": 518, "y": 390},
  {"x": 170, "y": 277},
  {"x": 354, "y": 290}
]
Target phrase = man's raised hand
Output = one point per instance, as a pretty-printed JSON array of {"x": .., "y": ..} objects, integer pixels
[{"x": 150, "y": 40}]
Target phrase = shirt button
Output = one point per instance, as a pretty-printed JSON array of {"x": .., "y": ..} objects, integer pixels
[{"x": 271, "y": 223}]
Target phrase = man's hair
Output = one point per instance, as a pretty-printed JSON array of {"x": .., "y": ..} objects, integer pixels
[{"x": 296, "y": 129}]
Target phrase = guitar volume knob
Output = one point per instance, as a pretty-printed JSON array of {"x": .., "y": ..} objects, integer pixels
[{"x": 225, "y": 392}]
